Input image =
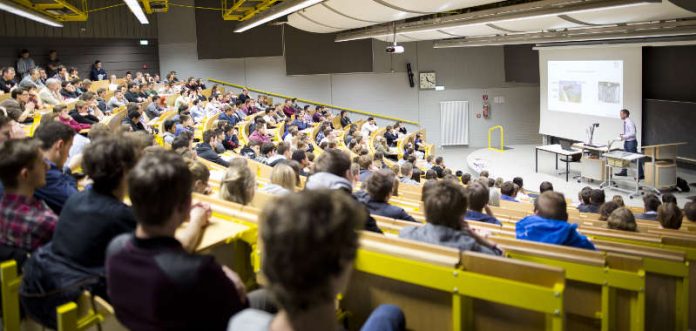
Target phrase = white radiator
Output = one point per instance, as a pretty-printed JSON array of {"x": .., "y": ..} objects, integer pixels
[{"x": 454, "y": 123}]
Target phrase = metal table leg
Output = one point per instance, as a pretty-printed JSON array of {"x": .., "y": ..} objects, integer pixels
[{"x": 536, "y": 160}]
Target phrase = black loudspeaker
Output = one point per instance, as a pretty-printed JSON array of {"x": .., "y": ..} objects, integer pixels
[{"x": 410, "y": 75}]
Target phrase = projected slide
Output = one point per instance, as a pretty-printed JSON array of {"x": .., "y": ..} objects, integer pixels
[{"x": 586, "y": 87}]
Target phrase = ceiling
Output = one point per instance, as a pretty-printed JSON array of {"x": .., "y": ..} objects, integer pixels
[{"x": 462, "y": 21}]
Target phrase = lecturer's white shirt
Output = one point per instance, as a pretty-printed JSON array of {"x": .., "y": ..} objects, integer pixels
[{"x": 629, "y": 129}]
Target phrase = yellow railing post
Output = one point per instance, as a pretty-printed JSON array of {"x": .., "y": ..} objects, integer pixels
[
  {"x": 502, "y": 141},
  {"x": 10, "y": 296}
]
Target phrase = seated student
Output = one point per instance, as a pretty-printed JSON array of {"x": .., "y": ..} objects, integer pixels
[
  {"x": 133, "y": 121},
  {"x": 299, "y": 227},
  {"x": 365, "y": 162},
  {"x": 206, "y": 151},
  {"x": 154, "y": 283},
  {"x": 81, "y": 113},
  {"x": 584, "y": 197},
  {"x": 95, "y": 216},
  {"x": 56, "y": 139},
  {"x": 251, "y": 150},
  {"x": 439, "y": 167},
  {"x": 239, "y": 183},
  {"x": 407, "y": 174},
  {"x": 153, "y": 109},
  {"x": 508, "y": 192},
  {"x": 266, "y": 151},
  {"x": 521, "y": 192},
  {"x": 478, "y": 200},
  {"x": 283, "y": 153},
  {"x": 445, "y": 206},
  {"x": 618, "y": 200},
  {"x": 545, "y": 186},
  {"x": 380, "y": 187},
  {"x": 650, "y": 205},
  {"x": 26, "y": 223},
  {"x": 466, "y": 179},
  {"x": 550, "y": 224},
  {"x": 606, "y": 209},
  {"x": 228, "y": 115},
  {"x": 690, "y": 211},
  {"x": 201, "y": 175},
  {"x": 430, "y": 174},
  {"x": 622, "y": 219},
  {"x": 332, "y": 170},
  {"x": 597, "y": 199},
  {"x": 260, "y": 134},
  {"x": 231, "y": 139},
  {"x": 301, "y": 157},
  {"x": 668, "y": 197},
  {"x": 283, "y": 180},
  {"x": 345, "y": 120},
  {"x": 391, "y": 136},
  {"x": 169, "y": 131},
  {"x": 368, "y": 127},
  {"x": 670, "y": 216}
]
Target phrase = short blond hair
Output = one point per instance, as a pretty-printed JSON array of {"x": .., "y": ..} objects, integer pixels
[{"x": 239, "y": 182}]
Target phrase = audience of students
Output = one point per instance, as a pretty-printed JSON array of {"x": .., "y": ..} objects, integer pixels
[
  {"x": 550, "y": 223},
  {"x": 445, "y": 206}
]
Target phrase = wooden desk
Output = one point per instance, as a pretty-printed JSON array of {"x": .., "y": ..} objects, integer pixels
[{"x": 218, "y": 232}]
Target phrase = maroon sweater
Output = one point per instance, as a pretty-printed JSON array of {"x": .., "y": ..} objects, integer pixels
[{"x": 155, "y": 285}]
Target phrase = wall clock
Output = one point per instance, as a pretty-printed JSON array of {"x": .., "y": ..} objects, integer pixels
[{"x": 427, "y": 80}]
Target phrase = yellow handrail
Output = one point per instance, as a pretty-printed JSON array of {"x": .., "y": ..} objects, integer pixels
[
  {"x": 502, "y": 145},
  {"x": 316, "y": 103}
]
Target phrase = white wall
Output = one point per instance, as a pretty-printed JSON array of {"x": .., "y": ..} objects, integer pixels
[{"x": 467, "y": 73}]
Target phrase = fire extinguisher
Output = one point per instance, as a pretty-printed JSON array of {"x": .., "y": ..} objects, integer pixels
[{"x": 486, "y": 106}]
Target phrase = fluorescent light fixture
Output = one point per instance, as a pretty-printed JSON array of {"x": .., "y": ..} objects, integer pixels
[
  {"x": 439, "y": 88},
  {"x": 280, "y": 10},
  {"x": 13, "y": 8},
  {"x": 134, "y": 6},
  {"x": 144, "y": 42}
]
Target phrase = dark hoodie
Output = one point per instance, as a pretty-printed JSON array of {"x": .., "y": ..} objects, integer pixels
[
  {"x": 537, "y": 228},
  {"x": 325, "y": 180}
]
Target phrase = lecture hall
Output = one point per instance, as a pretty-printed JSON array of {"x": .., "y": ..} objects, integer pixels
[{"x": 341, "y": 165}]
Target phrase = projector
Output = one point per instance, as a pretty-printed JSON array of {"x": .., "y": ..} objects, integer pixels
[{"x": 395, "y": 49}]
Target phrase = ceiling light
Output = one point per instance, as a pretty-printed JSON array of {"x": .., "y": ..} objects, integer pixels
[
  {"x": 134, "y": 7},
  {"x": 280, "y": 10},
  {"x": 13, "y": 8}
]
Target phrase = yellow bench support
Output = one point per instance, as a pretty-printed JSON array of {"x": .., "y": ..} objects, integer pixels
[{"x": 10, "y": 295}]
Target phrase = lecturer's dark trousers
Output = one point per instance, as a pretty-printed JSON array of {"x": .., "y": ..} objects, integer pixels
[{"x": 632, "y": 147}]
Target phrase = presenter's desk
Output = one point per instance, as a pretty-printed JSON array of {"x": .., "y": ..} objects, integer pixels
[
  {"x": 558, "y": 151},
  {"x": 592, "y": 164}
]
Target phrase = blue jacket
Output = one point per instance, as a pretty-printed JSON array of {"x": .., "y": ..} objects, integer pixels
[
  {"x": 507, "y": 198},
  {"x": 59, "y": 187},
  {"x": 231, "y": 119},
  {"x": 480, "y": 217},
  {"x": 537, "y": 228},
  {"x": 207, "y": 152},
  {"x": 299, "y": 124}
]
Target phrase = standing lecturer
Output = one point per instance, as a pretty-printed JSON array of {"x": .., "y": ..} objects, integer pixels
[{"x": 629, "y": 138}]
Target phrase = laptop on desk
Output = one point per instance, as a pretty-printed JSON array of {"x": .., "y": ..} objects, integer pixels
[{"x": 567, "y": 145}]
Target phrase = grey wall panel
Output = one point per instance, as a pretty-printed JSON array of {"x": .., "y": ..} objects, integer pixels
[
  {"x": 117, "y": 22},
  {"x": 316, "y": 53},
  {"x": 521, "y": 64},
  {"x": 118, "y": 55},
  {"x": 216, "y": 38}
]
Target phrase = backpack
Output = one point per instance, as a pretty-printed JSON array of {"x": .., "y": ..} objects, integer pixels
[{"x": 683, "y": 185}]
